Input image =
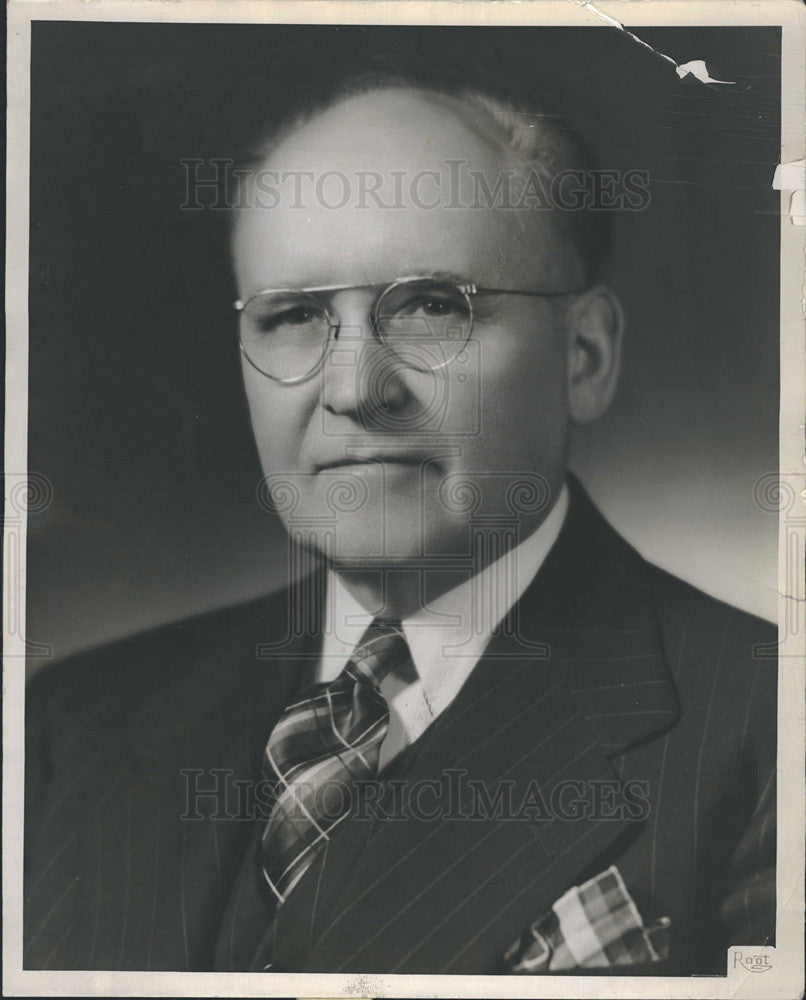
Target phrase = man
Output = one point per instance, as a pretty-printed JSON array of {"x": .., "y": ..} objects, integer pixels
[{"x": 487, "y": 736}]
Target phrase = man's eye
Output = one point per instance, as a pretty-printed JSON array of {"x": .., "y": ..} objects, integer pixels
[
  {"x": 296, "y": 316},
  {"x": 437, "y": 307},
  {"x": 293, "y": 316},
  {"x": 431, "y": 307}
]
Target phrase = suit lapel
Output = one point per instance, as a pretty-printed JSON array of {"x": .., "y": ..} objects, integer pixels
[
  {"x": 495, "y": 830},
  {"x": 205, "y": 727},
  {"x": 291, "y": 662}
]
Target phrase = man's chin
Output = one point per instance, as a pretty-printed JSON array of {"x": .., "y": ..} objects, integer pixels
[
  {"x": 383, "y": 554},
  {"x": 364, "y": 549}
]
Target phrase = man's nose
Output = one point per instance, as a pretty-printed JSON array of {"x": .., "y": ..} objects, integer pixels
[{"x": 362, "y": 378}]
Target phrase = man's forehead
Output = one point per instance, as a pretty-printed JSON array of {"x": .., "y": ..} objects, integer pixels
[
  {"x": 391, "y": 128},
  {"x": 386, "y": 184}
]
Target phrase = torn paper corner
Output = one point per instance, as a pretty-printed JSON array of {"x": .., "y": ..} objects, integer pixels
[
  {"x": 698, "y": 69},
  {"x": 792, "y": 177}
]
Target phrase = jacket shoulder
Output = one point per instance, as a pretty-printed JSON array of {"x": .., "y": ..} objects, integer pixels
[
  {"x": 130, "y": 664},
  {"x": 146, "y": 687},
  {"x": 684, "y": 607},
  {"x": 725, "y": 665},
  {"x": 678, "y": 605},
  {"x": 156, "y": 680},
  {"x": 723, "y": 661}
]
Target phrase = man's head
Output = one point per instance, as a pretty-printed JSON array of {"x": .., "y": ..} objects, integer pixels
[{"x": 388, "y": 181}]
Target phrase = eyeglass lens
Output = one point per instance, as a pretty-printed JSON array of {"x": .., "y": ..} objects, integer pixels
[{"x": 426, "y": 322}]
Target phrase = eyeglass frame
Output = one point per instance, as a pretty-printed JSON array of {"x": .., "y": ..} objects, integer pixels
[{"x": 467, "y": 288}]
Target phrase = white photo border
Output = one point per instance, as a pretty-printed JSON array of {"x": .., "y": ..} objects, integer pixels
[{"x": 786, "y": 977}]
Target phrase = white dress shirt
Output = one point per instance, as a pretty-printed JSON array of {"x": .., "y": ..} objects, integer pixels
[{"x": 446, "y": 638}]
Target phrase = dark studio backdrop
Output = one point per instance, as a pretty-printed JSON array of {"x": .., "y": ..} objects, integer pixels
[{"x": 136, "y": 414}]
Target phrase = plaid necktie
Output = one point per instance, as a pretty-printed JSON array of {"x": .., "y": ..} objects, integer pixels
[{"x": 328, "y": 738}]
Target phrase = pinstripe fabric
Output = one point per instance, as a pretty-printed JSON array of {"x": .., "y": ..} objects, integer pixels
[
  {"x": 647, "y": 680},
  {"x": 328, "y": 737},
  {"x": 115, "y": 877}
]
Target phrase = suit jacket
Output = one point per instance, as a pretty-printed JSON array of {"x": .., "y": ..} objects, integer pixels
[{"x": 619, "y": 717}]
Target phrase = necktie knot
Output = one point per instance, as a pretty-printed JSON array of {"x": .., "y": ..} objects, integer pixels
[{"x": 381, "y": 650}]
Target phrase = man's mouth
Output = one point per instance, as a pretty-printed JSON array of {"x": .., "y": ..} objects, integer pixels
[{"x": 381, "y": 460}]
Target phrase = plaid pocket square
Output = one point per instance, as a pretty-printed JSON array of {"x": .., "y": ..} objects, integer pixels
[{"x": 593, "y": 926}]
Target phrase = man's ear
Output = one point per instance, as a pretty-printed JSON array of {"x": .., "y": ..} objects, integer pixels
[{"x": 595, "y": 323}]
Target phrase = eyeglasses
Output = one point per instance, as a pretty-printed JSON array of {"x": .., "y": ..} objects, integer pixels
[{"x": 425, "y": 321}]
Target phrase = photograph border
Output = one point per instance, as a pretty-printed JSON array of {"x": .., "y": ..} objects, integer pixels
[{"x": 785, "y": 978}]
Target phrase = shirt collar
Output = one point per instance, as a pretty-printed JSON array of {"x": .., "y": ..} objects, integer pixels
[{"x": 448, "y": 637}]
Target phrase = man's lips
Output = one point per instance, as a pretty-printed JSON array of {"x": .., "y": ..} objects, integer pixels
[{"x": 385, "y": 458}]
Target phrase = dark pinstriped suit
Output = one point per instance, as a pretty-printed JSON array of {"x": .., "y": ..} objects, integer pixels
[{"x": 647, "y": 679}]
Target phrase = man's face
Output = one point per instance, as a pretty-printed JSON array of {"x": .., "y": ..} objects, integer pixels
[{"x": 398, "y": 460}]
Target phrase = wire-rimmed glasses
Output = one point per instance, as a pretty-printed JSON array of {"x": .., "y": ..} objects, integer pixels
[{"x": 425, "y": 321}]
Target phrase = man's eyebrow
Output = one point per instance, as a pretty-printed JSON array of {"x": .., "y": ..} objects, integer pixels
[
  {"x": 425, "y": 273},
  {"x": 460, "y": 279},
  {"x": 429, "y": 274}
]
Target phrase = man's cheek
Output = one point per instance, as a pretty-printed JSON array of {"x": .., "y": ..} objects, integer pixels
[
  {"x": 278, "y": 431},
  {"x": 274, "y": 458},
  {"x": 451, "y": 399}
]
